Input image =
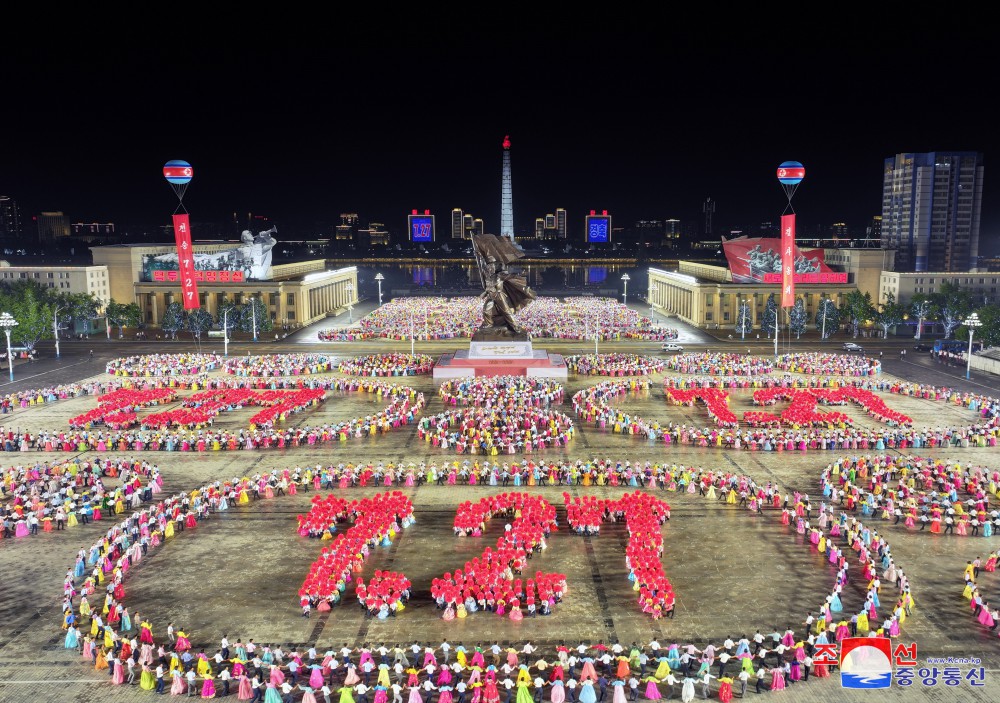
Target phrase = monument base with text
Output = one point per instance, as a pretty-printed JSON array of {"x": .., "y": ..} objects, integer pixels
[{"x": 501, "y": 357}]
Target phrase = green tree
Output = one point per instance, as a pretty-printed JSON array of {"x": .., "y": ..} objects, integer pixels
[
  {"x": 198, "y": 322},
  {"x": 173, "y": 319},
  {"x": 989, "y": 333},
  {"x": 798, "y": 318},
  {"x": 84, "y": 307},
  {"x": 827, "y": 317},
  {"x": 122, "y": 315},
  {"x": 770, "y": 316},
  {"x": 857, "y": 308},
  {"x": 953, "y": 304},
  {"x": 744, "y": 319},
  {"x": 229, "y": 316},
  {"x": 255, "y": 317},
  {"x": 922, "y": 308},
  {"x": 34, "y": 317},
  {"x": 889, "y": 314}
]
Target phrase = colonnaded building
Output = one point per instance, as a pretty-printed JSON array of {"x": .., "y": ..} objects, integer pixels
[
  {"x": 295, "y": 293},
  {"x": 709, "y": 296}
]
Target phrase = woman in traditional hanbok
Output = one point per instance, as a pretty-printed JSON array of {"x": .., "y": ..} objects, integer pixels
[
  {"x": 652, "y": 690},
  {"x": 587, "y": 693},
  {"x": 618, "y": 685},
  {"x": 72, "y": 638},
  {"x": 687, "y": 690},
  {"x": 777, "y": 679}
]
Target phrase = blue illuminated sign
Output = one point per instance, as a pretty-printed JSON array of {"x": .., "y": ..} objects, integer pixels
[
  {"x": 598, "y": 229},
  {"x": 421, "y": 228}
]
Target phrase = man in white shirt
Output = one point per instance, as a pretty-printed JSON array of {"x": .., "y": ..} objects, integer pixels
[
  {"x": 744, "y": 677},
  {"x": 508, "y": 684},
  {"x": 190, "y": 676},
  {"x": 654, "y": 646},
  {"x": 460, "y": 688},
  {"x": 539, "y": 684},
  {"x": 445, "y": 651},
  {"x": 397, "y": 693},
  {"x": 670, "y": 681},
  {"x": 570, "y": 690},
  {"x": 286, "y": 691},
  {"x": 723, "y": 659},
  {"x": 225, "y": 676},
  {"x": 326, "y": 693},
  {"x": 362, "y": 690}
]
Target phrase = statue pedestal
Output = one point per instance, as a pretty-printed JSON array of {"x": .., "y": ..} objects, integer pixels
[{"x": 501, "y": 357}]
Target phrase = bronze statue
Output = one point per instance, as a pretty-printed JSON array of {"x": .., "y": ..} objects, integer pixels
[{"x": 504, "y": 292}]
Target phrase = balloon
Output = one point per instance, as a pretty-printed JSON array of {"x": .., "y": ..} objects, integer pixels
[
  {"x": 790, "y": 174},
  {"x": 178, "y": 174}
]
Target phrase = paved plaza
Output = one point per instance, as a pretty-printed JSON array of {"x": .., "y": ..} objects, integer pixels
[{"x": 734, "y": 572}]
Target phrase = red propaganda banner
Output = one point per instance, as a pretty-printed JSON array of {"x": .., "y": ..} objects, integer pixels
[
  {"x": 787, "y": 261},
  {"x": 758, "y": 260},
  {"x": 185, "y": 262}
]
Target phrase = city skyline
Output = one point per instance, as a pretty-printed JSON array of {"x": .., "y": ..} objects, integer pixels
[{"x": 638, "y": 134}]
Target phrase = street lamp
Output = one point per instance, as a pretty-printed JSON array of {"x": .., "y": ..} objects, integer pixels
[
  {"x": 625, "y": 280},
  {"x": 350, "y": 301},
  {"x": 650, "y": 300},
  {"x": 411, "y": 332},
  {"x": 225, "y": 331},
  {"x": 379, "y": 277},
  {"x": 55, "y": 326},
  {"x": 971, "y": 322},
  {"x": 8, "y": 323},
  {"x": 826, "y": 301}
]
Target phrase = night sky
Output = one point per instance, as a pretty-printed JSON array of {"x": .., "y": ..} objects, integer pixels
[{"x": 380, "y": 124}]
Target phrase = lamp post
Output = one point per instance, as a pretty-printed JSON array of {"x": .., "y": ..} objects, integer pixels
[
  {"x": 350, "y": 301},
  {"x": 971, "y": 322},
  {"x": 597, "y": 329},
  {"x": 651, "y": 301},
  {"x": 253, "y": 311},
  {"x": 55, "y": 326},
  {"x": 411, "y": 332},
  {"x": 8, "y": 323},
  {"x": 826, "y": 301},
  {"x": 625, "y": 280},
  {"x": 379, "y": 277},
  {"x": 225, "y": 331}
]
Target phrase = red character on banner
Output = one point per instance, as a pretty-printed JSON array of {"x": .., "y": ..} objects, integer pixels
[
  {"x": 790, "y": 175},
  {"x": 178, "y": 174}
]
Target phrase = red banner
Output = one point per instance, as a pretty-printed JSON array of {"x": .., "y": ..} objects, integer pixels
[
  {"x": 758, "y": 260},
  {"x": 185, "y": 262},
  {"x": 787, "y": 261}
]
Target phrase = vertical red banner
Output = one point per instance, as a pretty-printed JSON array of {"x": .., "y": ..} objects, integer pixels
[
  {"x": 185, "y": 262},
  {"x": 787, "y": 261}
]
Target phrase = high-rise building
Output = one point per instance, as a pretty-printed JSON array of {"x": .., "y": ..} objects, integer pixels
[
  {"x": 464, "y": 225},
  {"x": 52, "y": 226},
  {"x": 552, "y": 226},
  {"x": 931, "y": 206},
  {"x": 347, "y": 230},
  {"x": 94, "y": 232},
  {"x": 506, "y": 195},
  {"x": 708, "y": 207},
  {"x": 10, "y": 218},
  {"x": 457, "y": 223}
]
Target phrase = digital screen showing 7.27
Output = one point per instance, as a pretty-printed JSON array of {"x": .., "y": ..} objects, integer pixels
[
  {"x": 422, "y": 229},
  {"x": 597, "y": 229}
]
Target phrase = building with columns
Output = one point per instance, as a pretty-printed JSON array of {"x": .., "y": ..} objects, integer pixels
[
  {"x": 295, "y": 293},
  {"x": 705, "y": 296}
]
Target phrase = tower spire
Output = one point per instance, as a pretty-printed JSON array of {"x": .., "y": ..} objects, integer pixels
[{"x": 506, "y": 195}]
